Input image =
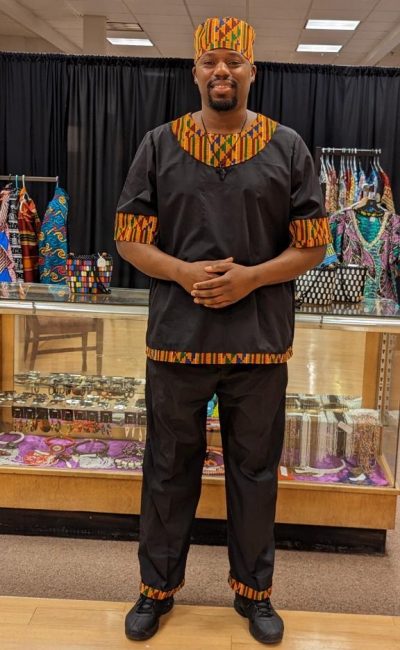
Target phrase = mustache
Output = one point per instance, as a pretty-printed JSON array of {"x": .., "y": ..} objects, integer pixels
[{"x": 214, "y": 82}]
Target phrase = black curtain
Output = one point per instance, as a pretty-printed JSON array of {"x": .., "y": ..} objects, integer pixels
[{"x": 82, "y": 118}]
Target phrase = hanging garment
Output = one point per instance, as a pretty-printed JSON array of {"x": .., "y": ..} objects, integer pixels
[
  {"x": 7, "y": 265},
  {"x": 29, "y": 230},
  {"x": 53, "y": 246},
  {"x": 372, "y": 241},
  {"x": 387, "y": 194},
  {"x": 15, "y": 239}
]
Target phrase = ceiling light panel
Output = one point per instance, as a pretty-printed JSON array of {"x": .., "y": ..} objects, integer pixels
[
  {"x": 347, "y": 25},
  {"x": 123, "y": 27},
  {"x": 139, "y": 42},
  {"x": 313, "y": 47}
]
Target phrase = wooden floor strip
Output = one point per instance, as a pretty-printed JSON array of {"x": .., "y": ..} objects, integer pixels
[{"x": 45, "y": 624}]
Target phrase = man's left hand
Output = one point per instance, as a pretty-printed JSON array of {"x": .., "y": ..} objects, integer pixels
[{"x": 233, "y": 283}]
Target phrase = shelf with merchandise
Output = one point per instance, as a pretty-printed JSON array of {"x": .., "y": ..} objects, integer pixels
[{"x": 69, "y": 436}]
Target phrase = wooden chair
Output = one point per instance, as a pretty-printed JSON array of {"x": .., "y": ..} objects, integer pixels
[{"x": 40, "y": 329}]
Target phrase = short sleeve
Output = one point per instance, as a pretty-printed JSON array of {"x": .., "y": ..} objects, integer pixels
[
  {"x": 308, "y": 224},
  {"x": 136, "y": 219}
]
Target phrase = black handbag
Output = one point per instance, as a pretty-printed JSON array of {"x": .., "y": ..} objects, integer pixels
[
  {"x": 324, "y": 285},
  {"x": 316, "y": 286},
  {"x": 349, "y": 283}
]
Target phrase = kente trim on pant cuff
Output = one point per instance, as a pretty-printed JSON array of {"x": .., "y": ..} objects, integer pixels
[
  {"x": 243, "y": 590},
  {"x": 158, "y": 594}
]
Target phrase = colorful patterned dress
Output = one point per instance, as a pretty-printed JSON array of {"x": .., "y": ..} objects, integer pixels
[
  {"x": 53, "y": 242},
  {"x": 29, "y": 229},
  {"x": 372, "y": 240}
]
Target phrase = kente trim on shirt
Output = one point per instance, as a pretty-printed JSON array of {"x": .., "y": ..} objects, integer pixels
[
  {"x": 135, "y": 228},
  {"x": 306, "y": 233},
  {"x": 223, "y": 150},
  {"x": 248, "y": 592},
  {"x": 225, "y": 358}
]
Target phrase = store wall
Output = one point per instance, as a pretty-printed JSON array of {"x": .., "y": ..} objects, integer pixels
[{"x": 82, "y": 118}]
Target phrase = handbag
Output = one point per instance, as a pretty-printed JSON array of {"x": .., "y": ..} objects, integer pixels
[
  {"x": 349, "y": 283},
  {"x": 316, "y": 286},
  {"x": 89, "y": 273},
  {"x": 324, "y": 285}
]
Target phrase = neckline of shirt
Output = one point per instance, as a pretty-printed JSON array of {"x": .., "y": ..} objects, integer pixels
[
  {"x": 223, "y": 150},
  {"x": 200, "y": 130}
]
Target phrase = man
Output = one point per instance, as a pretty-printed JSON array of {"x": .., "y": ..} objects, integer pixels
[{"x": 222, "y": 209}]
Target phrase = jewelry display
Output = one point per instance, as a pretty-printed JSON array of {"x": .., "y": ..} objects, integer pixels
[
  {"x": 214, "y": 462},
  {"x": 69, "y": 421},
  {"x": 131, "y": 457},
  {"x": 93, "y": 455}
]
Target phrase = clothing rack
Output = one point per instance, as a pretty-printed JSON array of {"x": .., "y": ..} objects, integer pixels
[
  {"x": 342, "y": 151},
  {"x": 353, "y": 151},
  {"x": 34, "y": 179}
]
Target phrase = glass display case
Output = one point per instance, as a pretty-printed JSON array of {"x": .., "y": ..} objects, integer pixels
[{"x": 73, "y": 416}]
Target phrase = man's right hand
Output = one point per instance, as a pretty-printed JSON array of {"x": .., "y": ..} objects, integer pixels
[{"x": 192, "y": 272}]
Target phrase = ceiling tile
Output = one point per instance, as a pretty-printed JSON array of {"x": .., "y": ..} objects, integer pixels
[
  {"x": 8, "y": 26},
  {"x": 278, "y": 13},
  {"x": 388, "y": 5},
  {"x": 356, "y": 5},
  {"x": 97, "y": 7},
  {"x": 385, "y": 16},
  {"x": 47, "y": 9},
  {"x": 164, "y": 20}
]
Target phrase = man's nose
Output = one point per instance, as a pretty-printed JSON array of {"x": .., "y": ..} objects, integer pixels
[{"x": 221, "y": 68}]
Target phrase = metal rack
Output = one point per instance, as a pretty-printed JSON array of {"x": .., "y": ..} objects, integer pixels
[
  {"x": 343, "y": 151},
  {"x": 34, "y": 179}
]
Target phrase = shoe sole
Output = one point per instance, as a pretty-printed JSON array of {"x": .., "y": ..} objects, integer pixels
[
  {"x": 144, "y": 637},
  {"x": 271, "y": 640}
]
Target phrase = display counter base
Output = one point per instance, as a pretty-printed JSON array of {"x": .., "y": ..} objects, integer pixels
[{"x": 211, "y": 532}]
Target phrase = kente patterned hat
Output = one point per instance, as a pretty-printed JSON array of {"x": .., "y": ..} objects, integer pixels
[{"x": 229, "y": 33}]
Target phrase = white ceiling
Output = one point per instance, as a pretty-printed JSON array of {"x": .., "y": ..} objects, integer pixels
[{"x": 57, "y": 26}]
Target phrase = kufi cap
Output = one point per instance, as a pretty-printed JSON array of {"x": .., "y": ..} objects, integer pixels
[{"x": 230, "y": 33}]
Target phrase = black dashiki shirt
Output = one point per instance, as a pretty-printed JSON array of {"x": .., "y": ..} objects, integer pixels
[{"x": 266, "y": 199}]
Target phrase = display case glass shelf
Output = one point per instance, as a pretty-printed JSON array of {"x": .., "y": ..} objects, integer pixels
[{"x": 72, "y": 399}]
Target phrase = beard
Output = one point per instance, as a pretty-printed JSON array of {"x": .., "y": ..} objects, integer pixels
[{"x": 221, "y": 104}]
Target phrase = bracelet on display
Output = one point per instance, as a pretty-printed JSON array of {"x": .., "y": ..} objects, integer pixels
[
  {"x": 91, "y": 442},
  {"x": 11, "y": 444},
  {"x": 320, "y": 471},
  {"x": 57, "y": 445}
]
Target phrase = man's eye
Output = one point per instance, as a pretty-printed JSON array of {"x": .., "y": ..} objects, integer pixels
[{"x": 233, "y": 63}]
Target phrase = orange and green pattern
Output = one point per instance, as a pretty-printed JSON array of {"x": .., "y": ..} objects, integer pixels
[
  {"x": 219, "y": 150},
  {"x": 135, "y": 228},
  {"x": 306, "y": 233},
  {"x": 229, "y": 33},
  {"x": 225, "y": 358},
  {"x": 248, "y": 592},
  {"x": 158, "y": 594}
]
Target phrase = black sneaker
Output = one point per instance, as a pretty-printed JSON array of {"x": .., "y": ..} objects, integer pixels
[
  {"x": 142, "y": 620},
  {"x": 265, "y": 624}
]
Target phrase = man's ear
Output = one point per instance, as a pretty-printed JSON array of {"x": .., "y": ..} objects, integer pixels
[
  {"x": 253, "y": 73},
  {"x": 194, "y": 74}
]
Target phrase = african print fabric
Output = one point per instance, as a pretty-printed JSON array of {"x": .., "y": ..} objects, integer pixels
[
  {"x": 15, "y": 239},
  {"x": 135, "y": 228},
  {"x": 220, "y": 150},
  {"x": 7, "y": 266},
  {"x": 371, "y": 241},
  {"x": 53, "y": 242},
  {"x": 228, "y": 33},
  {"x": 29, "y": 229},
  {"x": 267, "y": 199}
]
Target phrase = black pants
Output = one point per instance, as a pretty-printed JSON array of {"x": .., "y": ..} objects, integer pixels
[{"x": 252, "y": 416}]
